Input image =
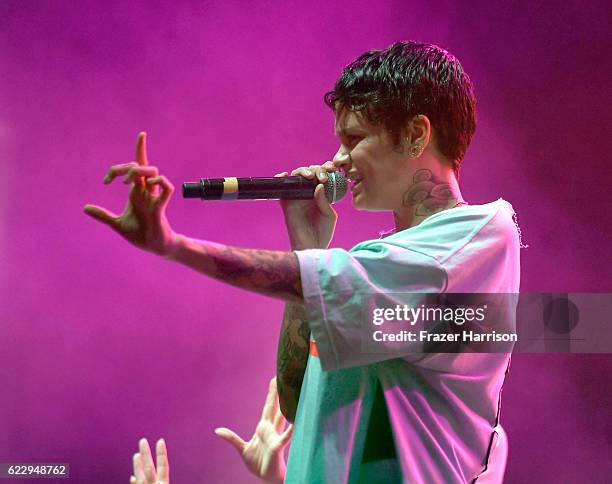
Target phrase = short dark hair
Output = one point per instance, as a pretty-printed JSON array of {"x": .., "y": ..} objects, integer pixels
[{"x": 393, "y": 85}]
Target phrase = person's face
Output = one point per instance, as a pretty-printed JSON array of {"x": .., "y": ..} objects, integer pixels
[{"x": 378, "y": 172}]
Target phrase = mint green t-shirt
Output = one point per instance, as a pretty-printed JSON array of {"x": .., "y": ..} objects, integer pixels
[{"x": 443, "y": 408}]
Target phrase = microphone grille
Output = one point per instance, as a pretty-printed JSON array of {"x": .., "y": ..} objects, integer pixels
[{"x": 336, "y": 186}]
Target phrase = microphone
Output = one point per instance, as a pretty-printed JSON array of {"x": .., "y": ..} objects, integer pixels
[{"x": 275, "y": 188}]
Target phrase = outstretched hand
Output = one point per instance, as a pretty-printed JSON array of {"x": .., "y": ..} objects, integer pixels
[
  {"x": 143, "y": 221},
  {"x": 263, "y": 454},
  {"x": 145, "y": 471}
]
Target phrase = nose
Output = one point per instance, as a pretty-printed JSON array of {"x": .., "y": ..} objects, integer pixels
[{"x": 342, "y": 159}]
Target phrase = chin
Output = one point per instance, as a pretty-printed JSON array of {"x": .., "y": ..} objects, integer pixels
[
  {"x": 358, "y": 203},
  {"x": 362, "y": 204}
]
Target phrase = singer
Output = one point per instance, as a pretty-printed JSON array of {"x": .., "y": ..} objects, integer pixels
[{"x": 404, "y": 117}]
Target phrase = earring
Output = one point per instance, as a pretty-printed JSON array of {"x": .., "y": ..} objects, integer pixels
[{"x": 416, "y": 150}]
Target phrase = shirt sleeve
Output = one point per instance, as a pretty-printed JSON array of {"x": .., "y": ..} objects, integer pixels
[{"x": 342, "y": 288}]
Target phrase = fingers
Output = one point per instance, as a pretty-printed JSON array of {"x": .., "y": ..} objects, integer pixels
[
  {"x": 132, "y": 171},
  {"x": 271, "y": 402},
  {"x": 279, "y": 420},
  {"x": 141, "y": 149},
  {"x": 229, "y": 436},
  {"x": 329, "y": 166},
  {"x": 321, "y": 171},
  {"x": 286, "y": 436},
  {"x": 138, "y": 468},
  {"x": 139, "y": 171},
  {"x": 101, "y": 215},
  {"x": 138, "y": 174},
  {"x": 308, "y": 172},
  {"x": 322, "y": 202},
  {"x": 167, "y": 189},
  {"x": 315, "y": 171},
  {"x": 163, "y": 467},
  {"x": 273, "y": 388},
  {"x": 144, "y": 468},
  {"x": 118, "y": 170},
  {"x": 147, "y": 460}
]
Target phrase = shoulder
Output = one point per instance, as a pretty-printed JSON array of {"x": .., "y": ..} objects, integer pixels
[{"x": 445, "y": 233}]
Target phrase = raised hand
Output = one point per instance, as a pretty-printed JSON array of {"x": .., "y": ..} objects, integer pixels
[
  {"x": 143, "y": 221},
  {"x": 145, "y": 471},
  {"x": 263, "y": 454},
  {"x": 310, "y": 223}
]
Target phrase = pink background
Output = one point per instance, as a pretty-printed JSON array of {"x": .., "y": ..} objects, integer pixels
[{"x": 101, "y": 344}]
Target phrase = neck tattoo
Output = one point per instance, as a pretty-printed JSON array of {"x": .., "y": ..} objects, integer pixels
[{"x": 428, "y": 195}]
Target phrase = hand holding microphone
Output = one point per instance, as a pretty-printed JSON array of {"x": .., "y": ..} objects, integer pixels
[
  {"x": 305, "y": 197},
  {"x": 311, "y": 223},
  {"x": 285, "y": 188}
]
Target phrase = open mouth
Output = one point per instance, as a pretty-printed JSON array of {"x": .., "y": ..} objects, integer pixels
[{"x": 355, "y": 181}]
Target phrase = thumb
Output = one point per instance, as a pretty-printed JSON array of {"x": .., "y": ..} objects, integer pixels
[
  {"x": 101, "y": 215},
  {"x": 229, "y": 436},
  {"x": 322, "y": 201}
]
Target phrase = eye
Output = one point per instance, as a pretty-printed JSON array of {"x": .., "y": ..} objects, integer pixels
[{"x": 353, "y": 139}]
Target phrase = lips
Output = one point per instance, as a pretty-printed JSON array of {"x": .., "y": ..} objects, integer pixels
[{"x": 355, "y": 180}]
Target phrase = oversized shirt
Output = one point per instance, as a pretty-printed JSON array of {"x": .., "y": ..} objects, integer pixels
[{"x": 443, "y": 408}]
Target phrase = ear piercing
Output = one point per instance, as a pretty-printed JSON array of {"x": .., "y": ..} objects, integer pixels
[{"x": 415, "y": 150}]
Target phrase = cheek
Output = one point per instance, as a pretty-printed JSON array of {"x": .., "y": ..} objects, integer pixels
[
  {"x": 384, "y": 176},
  {"x": 390, "y": 187}
]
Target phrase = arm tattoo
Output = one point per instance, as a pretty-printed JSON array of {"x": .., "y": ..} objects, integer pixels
[
  {"x": 428, "y": 195},
  {"x": 268, "y": 272},
  {"x": 292, "y": 356}
]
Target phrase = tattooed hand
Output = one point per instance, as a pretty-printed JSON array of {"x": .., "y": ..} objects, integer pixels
[{"x": 144, "y": 224}]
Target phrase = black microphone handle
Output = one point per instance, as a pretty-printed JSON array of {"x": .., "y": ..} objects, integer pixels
[{"x": 272, "y": 188}]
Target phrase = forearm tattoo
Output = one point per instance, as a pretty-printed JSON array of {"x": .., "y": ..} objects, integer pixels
[
  {"x": 291, "y": 359},
  {"x": 428, "y": 195},
  {"x": 272, "y": 273}
]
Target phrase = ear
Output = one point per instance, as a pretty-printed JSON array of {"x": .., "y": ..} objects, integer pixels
[{"x": 418, "y": 131}]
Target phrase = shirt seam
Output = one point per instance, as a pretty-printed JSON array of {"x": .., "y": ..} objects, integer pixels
[
  {"x": 470, "y": 237},
  {"x": 429, "y": 256}
]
